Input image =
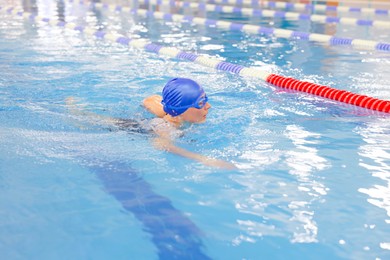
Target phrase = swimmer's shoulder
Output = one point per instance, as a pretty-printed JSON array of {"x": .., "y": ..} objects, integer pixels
[{"x": 154, "y": 106}]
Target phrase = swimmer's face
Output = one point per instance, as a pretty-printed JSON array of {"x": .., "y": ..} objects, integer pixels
[{"x": 196, "y": 115}]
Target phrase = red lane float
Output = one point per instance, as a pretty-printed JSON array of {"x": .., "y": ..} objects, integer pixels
[{"x": 330, "y": 93}]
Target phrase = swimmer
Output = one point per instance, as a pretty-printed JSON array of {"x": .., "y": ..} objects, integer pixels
[{"x": 183, "y": 100}]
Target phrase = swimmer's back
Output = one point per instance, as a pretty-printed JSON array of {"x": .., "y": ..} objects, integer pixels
[{"x": 155, "y": 125}]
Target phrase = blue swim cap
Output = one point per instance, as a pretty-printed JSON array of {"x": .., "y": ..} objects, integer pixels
[{"x": 179, "y": 94}]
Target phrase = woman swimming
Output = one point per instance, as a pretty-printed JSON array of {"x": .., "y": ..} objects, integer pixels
[{"x": 182, "y": 100}]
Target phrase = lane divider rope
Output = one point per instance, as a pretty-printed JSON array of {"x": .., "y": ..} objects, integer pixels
[
  {"x": 359, "y": 44},
  {"x": 273, "y": 79},
  {"x": 304, "y": 7},
  {"x": 272, "y": 13},
  {"x": 344, "y": 2}
]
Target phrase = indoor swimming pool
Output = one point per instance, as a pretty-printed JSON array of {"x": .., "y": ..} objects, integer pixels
[{"x": 313, "y": 173}]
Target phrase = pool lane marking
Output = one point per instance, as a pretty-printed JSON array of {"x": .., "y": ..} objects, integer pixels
[
  {"x": 273, "y": 79},
  {"x": 271, "y": 13},
  {"x": 359, "y": 44},
  {"x": 304, "y": 7},
  {"x": 172, "y": 232}
]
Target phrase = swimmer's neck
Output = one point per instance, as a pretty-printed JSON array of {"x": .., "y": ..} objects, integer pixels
[{"x": 176, "y": 121}]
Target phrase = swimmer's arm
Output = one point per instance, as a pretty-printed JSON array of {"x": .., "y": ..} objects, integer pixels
[
  {"x": 154, "y": 106},
  {"x": 167, "y": 145},
  {"x": 91, "y": 118}
]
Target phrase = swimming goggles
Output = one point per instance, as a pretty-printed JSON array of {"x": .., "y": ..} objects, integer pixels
[{"x": 199, "y": 103}]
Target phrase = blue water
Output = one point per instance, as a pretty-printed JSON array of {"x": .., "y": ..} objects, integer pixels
[{"x": 313, "y": 179}]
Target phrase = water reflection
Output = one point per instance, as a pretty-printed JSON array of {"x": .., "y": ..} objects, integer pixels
[
  {"x": 304, "y": 161},
  {"x": 376, "y": 159},
  {"x": 282, "y": 203}
]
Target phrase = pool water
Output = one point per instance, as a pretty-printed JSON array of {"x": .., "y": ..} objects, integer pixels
[{"x": 313, "y": 177}]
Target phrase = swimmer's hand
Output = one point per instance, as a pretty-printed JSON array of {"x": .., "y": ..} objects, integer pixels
[
  {"x": 75, "y": 110},
  {"x": 217, "y": 163},
  {"x": 74, "y": 107},
  {"x": 70, "y": 101},
  {"x": 167, "y": 145}
]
